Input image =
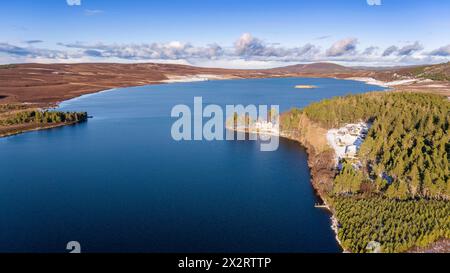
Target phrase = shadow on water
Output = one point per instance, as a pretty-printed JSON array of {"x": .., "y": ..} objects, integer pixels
[{"x": 294, "y": 145}]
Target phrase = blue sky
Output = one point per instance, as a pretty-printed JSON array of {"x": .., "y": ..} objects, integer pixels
[{"x": 226, "y": 33}]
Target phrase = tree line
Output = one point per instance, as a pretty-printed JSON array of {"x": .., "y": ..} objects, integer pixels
[
  {"x": 399, "y": 196},
  {"x": 396, "y": 225},
  {"x": 407, "y": 151},
  {"x": 44, "y": 117}
]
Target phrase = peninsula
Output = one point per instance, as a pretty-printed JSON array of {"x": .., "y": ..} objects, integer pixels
[
  {"x": 379, "y": 180},
  {"x": 16, "y": 119}
]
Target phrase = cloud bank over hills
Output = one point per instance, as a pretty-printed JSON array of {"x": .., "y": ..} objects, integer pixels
[{"x": 247, "y": 51}]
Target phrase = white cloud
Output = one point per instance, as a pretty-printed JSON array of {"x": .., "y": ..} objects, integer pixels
[
  {"x": 247, "y": 45},
  {"x": 172, "y": 51},
  {"x": 92, "y": 12},
  {"x": 73, "y": 2},
  {"x": 406, "y": 50},
  {"x": 31, "y": 52},
  {"x": 323, "y": 37},
  {"x": 410, "y": 49},
  {"x": 30, "y": 42},
  {"x": 343, "y": 47},
  {"x": 374, "y": 2},
  {"x": 442, "y": 51},
  {"x": 370, "y": 50},
  {"x": 252, "y": 48},
  {"x": 247, "y": 52},
  {"x": 239, "y": 63},
  {"x": 389, "y": 51}
]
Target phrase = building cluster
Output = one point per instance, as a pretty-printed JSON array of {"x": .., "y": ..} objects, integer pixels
[
  {"x": 347, "y": 141},
  {"x": 259, "y": 126},
  {"x": 264, "y": 126}
]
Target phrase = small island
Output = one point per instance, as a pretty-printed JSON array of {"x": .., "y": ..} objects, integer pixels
[{"x": 305, "y": 87}]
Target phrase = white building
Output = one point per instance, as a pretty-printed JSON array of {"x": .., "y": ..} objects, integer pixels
[
  {"x": 346, "y": 141},
  {"x": 263, "y": 126},
  {"x": 351, "y": 150}
]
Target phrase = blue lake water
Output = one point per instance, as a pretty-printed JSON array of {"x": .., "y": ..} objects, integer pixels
[{"x": 119, "y": 183}]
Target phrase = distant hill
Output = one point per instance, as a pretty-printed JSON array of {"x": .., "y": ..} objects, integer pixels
[
  {"x": 438, "y": 72},
  {"x": 314, "y": 68},
  {"x": 383, "y": 68},
  {"x": 51, "y": 83}
]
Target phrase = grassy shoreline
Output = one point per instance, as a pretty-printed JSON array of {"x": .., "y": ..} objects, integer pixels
[
  {"x": 16, "y": 120},
  {"x": 40, "y": 128}
]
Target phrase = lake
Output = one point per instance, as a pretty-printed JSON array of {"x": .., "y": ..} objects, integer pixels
[{"x": 119, "y": 183}]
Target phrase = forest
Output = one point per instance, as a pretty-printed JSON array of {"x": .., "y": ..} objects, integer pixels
[
  {"x": 407, "y": 151},
  {"x": 399, "y": 196},
  {"x": 396, "y": 225},
  {"x": 43, "y": 117}
]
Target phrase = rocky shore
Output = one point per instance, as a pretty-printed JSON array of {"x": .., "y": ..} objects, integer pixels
[
  {"x": 321, "y": 162},
  {"x": 322, "y": 165},
  {"x": 320, "y": 157}
]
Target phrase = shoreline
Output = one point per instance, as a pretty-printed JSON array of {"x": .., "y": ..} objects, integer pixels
[
  {"x": 67, "y": 102},
  {"x": 47, "y": 127},
  {"x": 303, "y": 139},
  {"x": 311, "y": 154},
  {"x": 61, "y": 82},
  {"x": 386, "y": 84},
  {"x": 170, "y": 80},
  {"x": 334, "y": 223},
  {"x": 309, "y": 149}
]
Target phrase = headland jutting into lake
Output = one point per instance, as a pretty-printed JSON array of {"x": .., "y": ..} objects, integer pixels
[{"x": 374, "y": 179}]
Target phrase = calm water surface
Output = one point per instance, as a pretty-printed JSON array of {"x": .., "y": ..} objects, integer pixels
[{"x": 119, "y": 183}]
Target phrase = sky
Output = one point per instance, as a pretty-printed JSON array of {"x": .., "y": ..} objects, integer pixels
[{"x": 226, "y": 33}]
